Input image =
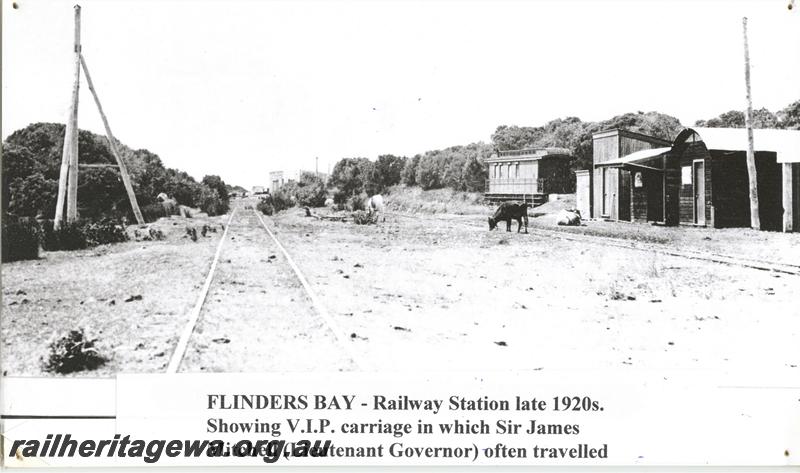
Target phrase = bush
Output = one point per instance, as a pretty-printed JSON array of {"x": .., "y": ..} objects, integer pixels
[
  {"x": 356, "y": 202},
  {"x": 20, "y": 239},
  {"x": 340, "y": 197},
  {"x": 362, "y": 217},
  {"x": 281, "y": 200},
  {"x": 148, "y": 234},
  {"x": 70, "y": 236},
  {"x": 103, "y": 232},
  {"x": 265, "y": 207},
  {"x": 310, "y": 190},
  {"x": 352, "y": 175},
  {"x": 153, "y": 212},
  {"x": 209, "y": 201},
  {"x": 216, "y": 183},
  {"x": 82, "y": 234},
  {"x": 73, "y": 352}
]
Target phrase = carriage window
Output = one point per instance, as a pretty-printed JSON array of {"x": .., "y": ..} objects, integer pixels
[
  {"x": 516, "y": 170},
  {"x": 686, "y": 175}
]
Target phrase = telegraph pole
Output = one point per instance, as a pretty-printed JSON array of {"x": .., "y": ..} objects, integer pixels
[
  {"x": 755, "y": 220},
  {"x": 68, "y": 177}
]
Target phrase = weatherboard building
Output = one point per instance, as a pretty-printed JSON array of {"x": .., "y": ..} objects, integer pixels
[{"x": 700, "y": 178}]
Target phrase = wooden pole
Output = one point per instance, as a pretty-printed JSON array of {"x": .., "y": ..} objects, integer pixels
[
  {"x": 72, "y": 182},
  {"x": 123, "y": 171},
  {"x": 68, "y": 177},
  {"x": 788, "y": 198},
  {"x": 755, "y": 221}
]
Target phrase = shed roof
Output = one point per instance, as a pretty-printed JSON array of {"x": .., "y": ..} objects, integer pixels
[
  {"x": 785, "y": 143},
  {"x": 637, "y": 159}
]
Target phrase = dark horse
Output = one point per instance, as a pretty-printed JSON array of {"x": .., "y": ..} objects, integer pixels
[{"x": 510, "y": 211}]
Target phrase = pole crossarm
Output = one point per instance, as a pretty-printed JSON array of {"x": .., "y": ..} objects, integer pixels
[{"x": 98, "y": 165}]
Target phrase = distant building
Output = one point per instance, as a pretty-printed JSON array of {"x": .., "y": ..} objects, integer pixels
[
  {"x": 275, "y": 180},
  {"x": 278, "y": 178},
  {"x": 529, "y": 174},
  {"x": 258, "y": 190}
]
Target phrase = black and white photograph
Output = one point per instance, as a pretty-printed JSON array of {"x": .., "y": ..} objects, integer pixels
[{"x": 536, "y": 188}]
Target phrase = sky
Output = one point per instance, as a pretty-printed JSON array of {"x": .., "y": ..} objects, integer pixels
[{"x": 242, "y": 88}]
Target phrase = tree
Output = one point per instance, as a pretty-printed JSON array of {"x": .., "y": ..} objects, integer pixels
[
  {"x": 351, "y": 176},
  {"x": 32, "y": 161},
  {"x": 30, "y": 195},
  {"x": 409, "y": 174},
  {"x": 789, "y": 117},
  {"x": 387, "y": 171},
  {"x": 761, "y": 118},
  {"x": 310, "y": 190},
  {"x": 216, "y": 183},
  {"x": 475, "y": 174},
  {"x": 515, "y": 137},
  {"x": 430, "y": 170}
]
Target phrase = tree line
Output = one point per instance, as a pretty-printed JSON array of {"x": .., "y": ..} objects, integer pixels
[
  {"x": 464, "y": 168},
  {"x": 32, "y": 163}
]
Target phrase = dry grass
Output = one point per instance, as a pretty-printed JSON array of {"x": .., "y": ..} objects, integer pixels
[{"x": 436, "y": 201}]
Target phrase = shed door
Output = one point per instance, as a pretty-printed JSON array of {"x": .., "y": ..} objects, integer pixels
[
  {"x": 699, "y": 181},
  {"x": 624, "y": 211},
  {"x": 605, "y": 206}
]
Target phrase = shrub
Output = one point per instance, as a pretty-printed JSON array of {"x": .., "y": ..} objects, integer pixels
[
  {"x": 209, "y": 201},
  {"x": 191, "y": 232},
  {"x": 104, "y": 231},
  {"x": 409, "y": 173},
  {"x": 361, "y": 217},
  {"x": 70, "y": 236},
  {"x": 73, "y": 352},
  {"x": 153, "y": 212},
  {"x": 216, "y": 183},
  {"x": 356, "y": 202},
  {"x": 340, "y": 197},
  {"x": 20, "y": 239},
  {"x": 352, "y": 175},
  {"x": 265, "y": 207},
  {"x": 311, "y": 190},
  {"x": 388, "y": 171},
  {"x": 281, "y": 200},
  {"x": 148, "y": 234}
]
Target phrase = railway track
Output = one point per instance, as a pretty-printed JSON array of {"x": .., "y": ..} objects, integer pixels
[
  {"x": 750, "y": 263},
  {"x": 257, "y": 307},
  {"x": 250, "y": 226}
]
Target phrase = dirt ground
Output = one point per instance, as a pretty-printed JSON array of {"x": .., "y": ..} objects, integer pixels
[{"x": 427, "y": 293}]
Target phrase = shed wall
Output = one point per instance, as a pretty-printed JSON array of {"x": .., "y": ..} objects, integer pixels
[
  {"x": 583, "y": 192},
  {"x": 605, "y": 149}
]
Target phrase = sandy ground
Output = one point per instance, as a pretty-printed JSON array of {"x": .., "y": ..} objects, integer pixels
[
  {"x": 429, "y": 293},
  {"x": 257, "y": 317},
  {"x": 88, "y": 289},
  {"x": 436, "y": 293}
]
